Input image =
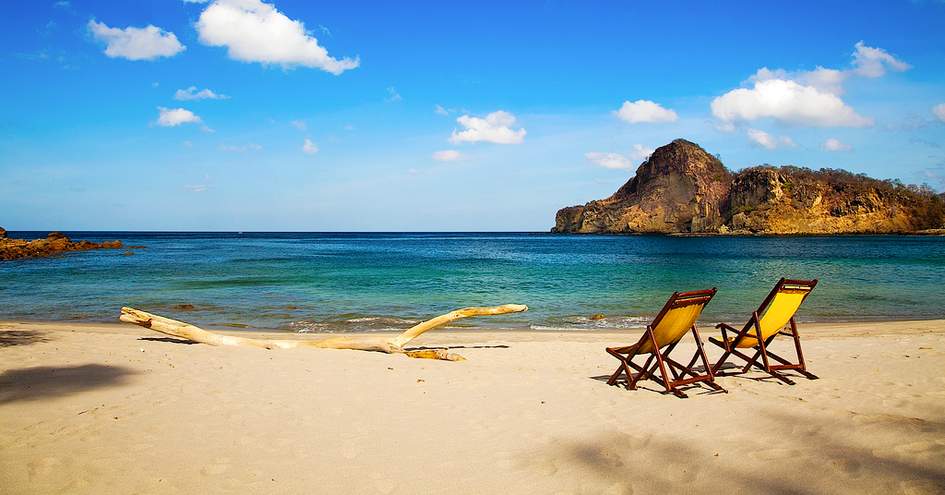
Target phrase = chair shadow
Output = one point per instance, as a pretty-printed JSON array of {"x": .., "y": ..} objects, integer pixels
[
  {"x": 26, "y": 384},
  {"x": 169, "y": 340},
  {"x": 643, "y": 385},
  {"x": 10, "y": 338}
]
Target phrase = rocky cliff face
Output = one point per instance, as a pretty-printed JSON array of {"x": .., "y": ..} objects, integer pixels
[
  {"x": 680, "y": 188},
  {"x": 683, "y": 189}
]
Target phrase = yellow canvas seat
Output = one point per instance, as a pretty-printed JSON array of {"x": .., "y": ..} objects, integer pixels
[
  {"x": 772, "y": 317},
  {"x": 676, "y": 319}
]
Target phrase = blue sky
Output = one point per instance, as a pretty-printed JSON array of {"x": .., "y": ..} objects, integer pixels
[{"x": 383, "y": 116}]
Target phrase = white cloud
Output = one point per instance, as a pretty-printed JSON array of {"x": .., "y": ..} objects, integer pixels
[
  {"x": 309, "y": 147},
  {"x": 192, "y": 93},
  {"x": 299, "y": 124},
  {"x": 241, "y": 148},
  {"x": 805, "y": 97},
  {"x": 196, "y": 188},
  {"x": 765, "y": 140},
  {"x": 392, "y": 94},
  {"x": 254, "y": 31},
  {"x": 873, "y": 62},
  {"x": 823, "y": 79},
  {"x": 494, "y": 128},
  {"x": 439, "y": 110},
  {"x": 446, "y": 155},
  {"x": 641, "y": 152},
  {"x": 786, "y": 101},
  {"x": 608, "y": 160},
  {"x": 147, "y": 43},
  {"x": 939, "y": 111},
  {"x": 834, "y": 144},
  {"x": 618, "y": 161},
  {"x": 173, "y": 117},
  {"x": 641, "y": 111}
]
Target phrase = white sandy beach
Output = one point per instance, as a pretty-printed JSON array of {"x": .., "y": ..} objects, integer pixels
[{"x": 118, "y": 409}]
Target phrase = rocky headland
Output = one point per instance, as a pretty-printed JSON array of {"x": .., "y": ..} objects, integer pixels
[
  {"x": 682, "y": 189},
  {"x": 54, "y": 243}
]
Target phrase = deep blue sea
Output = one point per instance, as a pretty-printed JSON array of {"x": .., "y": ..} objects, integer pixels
[{"x": 337, "y": 282}]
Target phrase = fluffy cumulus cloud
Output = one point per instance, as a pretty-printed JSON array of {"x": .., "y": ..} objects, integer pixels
[
  {"x": 309, "y": 147},
  {"x": 192, "y": 93},
  {"x": 873, "y": 62},
  {"x": 834, "y": 144},
  {"x": 823, "y": 79},
  {"x": 786, "y": 101},
  {"x": 173, "y": 117},
  {"x": 804, "y": 97},
  {"x": 618, "y": 161},
  {"x": 645, "y": 111},
  {"x": 446, "y": 155},
  {"x": 939, "y": 111},
  {"x": 132, "y": 43},
  {"x": 767, "y": 141},
  {"x": 255, "y": 31},
  {"x": 493, "y": 128}
]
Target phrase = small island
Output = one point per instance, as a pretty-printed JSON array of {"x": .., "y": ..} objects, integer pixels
[
  {"x": 54, "y": 243},
  {"x": 682, "y": 189}
]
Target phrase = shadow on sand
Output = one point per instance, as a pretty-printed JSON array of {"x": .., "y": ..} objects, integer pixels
[
  {"x": 169, "y": 340},
  {"x": 43, "y": 382},
  {"x": 811, "y": 454},
  {"x": 10, "y": 338}
]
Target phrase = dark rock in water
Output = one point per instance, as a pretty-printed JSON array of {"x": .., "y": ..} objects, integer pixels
[
  {"x": 683, "y": 189},
  {"x": 54, "y": 243},
  {"x": 184, "y": 307}
]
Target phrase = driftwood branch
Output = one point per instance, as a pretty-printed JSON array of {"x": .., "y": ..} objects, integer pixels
[{"x": 389, "y": 345}]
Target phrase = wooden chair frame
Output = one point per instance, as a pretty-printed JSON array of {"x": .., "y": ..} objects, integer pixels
[
  {"x": 752, "y": 330},
  {"x": 672, "y": 373}
]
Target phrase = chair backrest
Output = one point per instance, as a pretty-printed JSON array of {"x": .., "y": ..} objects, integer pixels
[
  {"x": 781, "y": 304},
  {"x": 678, "y": 315}
]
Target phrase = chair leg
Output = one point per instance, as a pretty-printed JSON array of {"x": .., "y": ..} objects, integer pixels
[
  {"x": 705, "y": 362},
  {"x": 800, "y": 353}
]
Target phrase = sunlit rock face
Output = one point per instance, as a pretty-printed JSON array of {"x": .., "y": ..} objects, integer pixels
[{"x": 681, "y": 188}]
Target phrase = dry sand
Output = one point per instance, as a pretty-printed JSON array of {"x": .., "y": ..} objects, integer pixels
[{"x": 117, "y": 409}]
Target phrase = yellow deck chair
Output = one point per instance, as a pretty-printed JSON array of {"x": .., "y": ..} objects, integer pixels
[
  {"x": 775, "y": 313},
  {"x": 676, "y": 319}
]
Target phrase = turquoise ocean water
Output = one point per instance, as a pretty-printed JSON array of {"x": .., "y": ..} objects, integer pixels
[{"x": 312, "y": 282}]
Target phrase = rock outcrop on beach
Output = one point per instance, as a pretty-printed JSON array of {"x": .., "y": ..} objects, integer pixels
[
  {"x": 681, "y": 188},
  {"x": 54, "y": 243}
]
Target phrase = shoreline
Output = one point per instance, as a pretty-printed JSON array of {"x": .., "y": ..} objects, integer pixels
[
  {"x": 470, "y": 327},
  {"x": 809, "y": 330}
]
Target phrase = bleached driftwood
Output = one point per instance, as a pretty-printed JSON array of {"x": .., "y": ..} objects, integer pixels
[{"x": 389, "y": 345}]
